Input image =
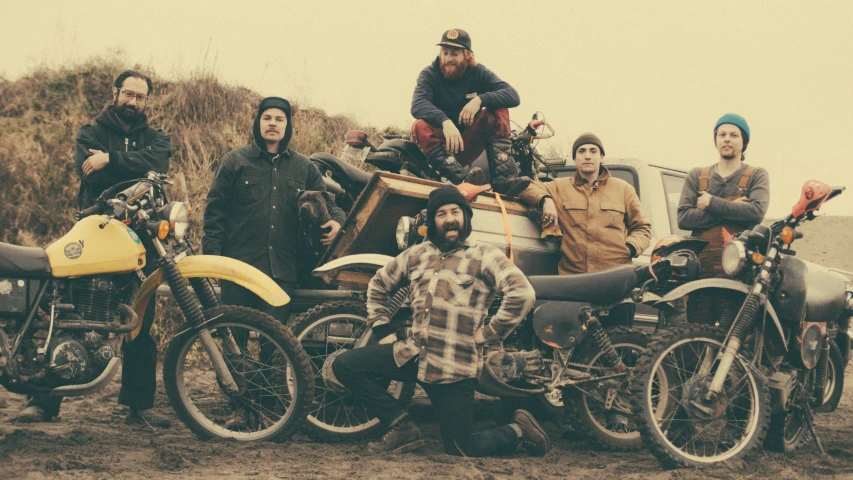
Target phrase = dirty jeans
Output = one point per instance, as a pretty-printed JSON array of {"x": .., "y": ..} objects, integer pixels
[
  {"x": 487, "y": 124},
  {"x": 363, "y": 370}
]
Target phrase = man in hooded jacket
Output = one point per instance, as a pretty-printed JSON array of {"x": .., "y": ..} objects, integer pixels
[
  {"x": 251, "y": 212},
  {"x": 120, "y": 146}
]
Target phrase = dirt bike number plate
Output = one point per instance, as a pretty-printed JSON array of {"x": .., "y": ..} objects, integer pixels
[{"x": 354, "y": 156}]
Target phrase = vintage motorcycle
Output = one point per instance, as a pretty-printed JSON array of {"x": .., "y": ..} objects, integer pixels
[
  {"x": 561, "y": 347},
  {"x": 758, "y": 375},
  {"x": 66, "y": 310},
  {"x": 398, "y": 154}
]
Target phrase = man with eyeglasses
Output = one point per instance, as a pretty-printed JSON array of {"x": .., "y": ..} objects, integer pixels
[{"x": 120, "y": 146}]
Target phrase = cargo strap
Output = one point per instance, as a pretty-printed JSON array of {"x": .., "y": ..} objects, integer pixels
[
  {"x": 506, "y": 226},
  {"x": 705, "y": 174}
]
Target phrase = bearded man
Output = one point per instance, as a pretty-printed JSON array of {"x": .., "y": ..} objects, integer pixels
[
  {"x": 453, "y": 281},
  {"x": 120, "y": 146},
  {"x": 461, "y": 109}
]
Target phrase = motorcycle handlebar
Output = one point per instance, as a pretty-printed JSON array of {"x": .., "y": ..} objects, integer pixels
[{"x": 95, "y": 209}]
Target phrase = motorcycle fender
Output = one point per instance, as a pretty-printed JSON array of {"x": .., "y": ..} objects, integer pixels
[
  {"x": 361, "y": 262},
  {"x": 212, "y": 266},
  {"x": 719, "y": 284}
]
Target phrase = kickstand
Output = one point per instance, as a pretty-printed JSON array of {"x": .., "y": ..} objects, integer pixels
[{"x": 807, "y": 410}]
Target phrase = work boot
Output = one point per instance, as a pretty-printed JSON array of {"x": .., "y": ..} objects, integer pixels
[
  {"x": 503, "y": 170},
  {"x": 533, "y": 438},
  {"x": 146, "y": 417},
  {"x": 445, "y": 162},
  {"x": 32, "y": 414},
  {"x": 405, "y": 436}
]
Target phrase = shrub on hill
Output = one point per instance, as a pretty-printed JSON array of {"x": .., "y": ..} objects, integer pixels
[{"x": 41, "y": 113}]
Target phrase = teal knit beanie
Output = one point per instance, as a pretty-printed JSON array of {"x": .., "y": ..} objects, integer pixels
[{"x": 736, "y": 120}]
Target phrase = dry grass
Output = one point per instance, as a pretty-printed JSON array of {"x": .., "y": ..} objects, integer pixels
[{"x": 41, "y": 113}]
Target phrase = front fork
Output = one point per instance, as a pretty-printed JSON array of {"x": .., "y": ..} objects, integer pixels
[
  {"x": 192, "y": 310},
  {"x": 741, "y": 326}
]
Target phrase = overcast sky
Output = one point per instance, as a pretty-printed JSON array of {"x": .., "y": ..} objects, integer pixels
[{"x": 649, "y": 78}]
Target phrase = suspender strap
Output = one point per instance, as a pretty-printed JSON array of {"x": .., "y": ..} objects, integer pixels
[
  {"x": 703, "y": 179},
  {"x": 744, "y": 179}
]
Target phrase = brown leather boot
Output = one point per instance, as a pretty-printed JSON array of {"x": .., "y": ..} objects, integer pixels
[
  {"x": 402, "y": 437},
  {"x": 533, "y": 437}
]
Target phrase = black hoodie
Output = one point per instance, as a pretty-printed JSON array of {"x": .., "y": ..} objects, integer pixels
[
  {"x": 133, "y": 153},
  {"x": 251, "y": 206}
]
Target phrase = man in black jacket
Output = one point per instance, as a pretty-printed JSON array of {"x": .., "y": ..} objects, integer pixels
[
  {"x": 461, "y": 109},
  {"x": 251, "y": 207},
  {"x": 118, "y": 147}
]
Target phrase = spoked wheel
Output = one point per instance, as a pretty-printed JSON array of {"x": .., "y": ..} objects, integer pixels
[
  {"x": 688, "y": 429},
  {"x": 788, "y": 431},
  {"x": 265, "y": 360},
  {"x": 322, "y": 331},
  {"x": 608, "y": 421}
]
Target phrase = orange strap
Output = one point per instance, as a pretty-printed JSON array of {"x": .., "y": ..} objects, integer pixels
[
  {"x": 506, "y": 225},
  {"x": 744, "y": 179},
  {"x": 704, "y": 175}
]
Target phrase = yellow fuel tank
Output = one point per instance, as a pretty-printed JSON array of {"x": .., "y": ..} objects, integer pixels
[{"x": 88, "y": 250}]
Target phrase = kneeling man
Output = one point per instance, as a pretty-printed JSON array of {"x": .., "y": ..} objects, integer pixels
[{"x": 453, "y": 281}]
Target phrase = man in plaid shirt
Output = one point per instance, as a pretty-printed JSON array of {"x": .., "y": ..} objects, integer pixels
[{"x": 453, "y": 281}]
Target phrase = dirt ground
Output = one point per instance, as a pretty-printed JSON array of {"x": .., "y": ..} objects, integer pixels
[{"x": 89, "y": 440}]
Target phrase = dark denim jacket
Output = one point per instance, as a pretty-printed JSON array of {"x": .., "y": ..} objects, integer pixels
[{"x": 251, "y": 209}]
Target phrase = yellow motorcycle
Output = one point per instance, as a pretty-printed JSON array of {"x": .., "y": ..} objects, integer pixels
[{"x": 65, "y": 311}]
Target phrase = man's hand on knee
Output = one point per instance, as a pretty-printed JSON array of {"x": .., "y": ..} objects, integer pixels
[{"x": 454, "y": 138}]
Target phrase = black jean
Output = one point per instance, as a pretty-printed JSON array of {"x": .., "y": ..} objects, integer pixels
[
  {"x": 233, "y": 294},
  {"x": 138, "y": 371},
  {"x": 365, "y": 372}
]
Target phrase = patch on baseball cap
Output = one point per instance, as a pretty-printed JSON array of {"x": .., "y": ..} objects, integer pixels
[{"x": 456, "y": 38}]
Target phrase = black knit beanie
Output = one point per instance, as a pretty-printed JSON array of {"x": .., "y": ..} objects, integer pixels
[
  {"x": 586, "y": 138},
  {"x": 444, "y": 196}
]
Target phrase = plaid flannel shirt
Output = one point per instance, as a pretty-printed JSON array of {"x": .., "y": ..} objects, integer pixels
[{"x": 450, "y": 297}]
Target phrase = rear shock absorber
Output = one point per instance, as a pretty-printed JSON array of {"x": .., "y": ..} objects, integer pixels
[
  {"x": 605, "y": 346},
  {"x": 821, "y": 374}
]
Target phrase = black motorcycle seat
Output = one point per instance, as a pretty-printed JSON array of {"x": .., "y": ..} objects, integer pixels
[
  {"x": 600, "y": 288},
  {"x": 18, "y": 261},
  {"x": 356, "y": 175}
]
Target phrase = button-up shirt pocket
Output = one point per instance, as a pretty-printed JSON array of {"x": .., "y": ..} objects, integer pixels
[
  {"x": 614, "y": 214},
  {"x": 577, "y": 213},
  {"x": 248, "y": 189},
  {"x": 293, "y": 189}
]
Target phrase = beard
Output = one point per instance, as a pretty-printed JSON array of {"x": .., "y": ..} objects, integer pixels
[
  {"x": 453, "y": 71},
  {"x": 127, "y": 113},
  {"x": 441, "y": 240}
]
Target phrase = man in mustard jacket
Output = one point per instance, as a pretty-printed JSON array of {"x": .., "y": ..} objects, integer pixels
[{"x": 600, "y": 216}]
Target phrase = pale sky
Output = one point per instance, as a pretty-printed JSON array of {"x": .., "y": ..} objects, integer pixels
[{"x": 649, "y": 78}]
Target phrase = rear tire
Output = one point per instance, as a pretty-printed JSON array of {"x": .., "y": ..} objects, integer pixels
[
  {"x": 584, "y": 414},
  {"x": 333, "y": 417},
  {"x": 834, "y": 380}
]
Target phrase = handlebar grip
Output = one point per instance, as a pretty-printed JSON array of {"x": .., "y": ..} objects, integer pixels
[{"x": 87, "y": 212}]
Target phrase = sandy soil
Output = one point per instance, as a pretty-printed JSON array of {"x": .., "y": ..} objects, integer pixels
[{"x": 89, "y": 440}]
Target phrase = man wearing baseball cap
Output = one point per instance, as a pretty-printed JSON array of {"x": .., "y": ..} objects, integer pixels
[
  {"x": 728, "y": 195},
  {"x": 452, "y": 281},
  {"x": 461, "y": 108}
]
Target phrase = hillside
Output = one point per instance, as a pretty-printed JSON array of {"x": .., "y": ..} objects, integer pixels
[{"x": 41, "y": 113}]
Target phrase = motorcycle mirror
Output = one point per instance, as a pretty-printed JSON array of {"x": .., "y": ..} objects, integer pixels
[{"x": 813, "y": 195}]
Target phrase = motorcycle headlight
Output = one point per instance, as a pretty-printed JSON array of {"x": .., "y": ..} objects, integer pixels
[
  {"x": 734, "y": 258},
  {"x": 404, "y": 226},
  {"x": 178, "y": 216}
]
